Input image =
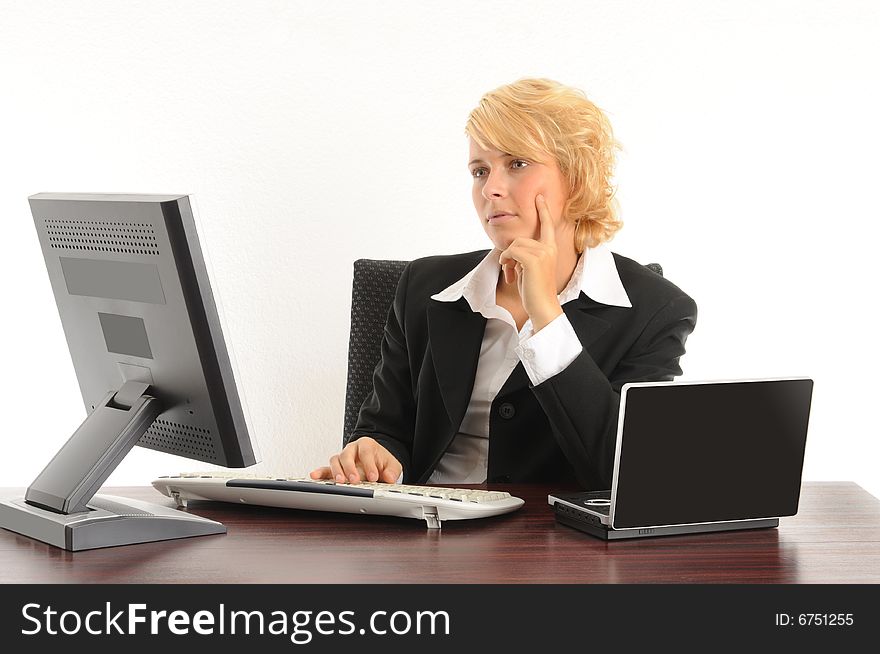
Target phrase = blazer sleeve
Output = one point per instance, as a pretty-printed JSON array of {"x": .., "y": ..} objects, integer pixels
[
  {"x": 388, "y": 413},
  {"x": 582, "y": 404}
]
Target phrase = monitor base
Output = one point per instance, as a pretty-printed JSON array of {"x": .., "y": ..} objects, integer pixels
[{"x": 110, "y": 521}]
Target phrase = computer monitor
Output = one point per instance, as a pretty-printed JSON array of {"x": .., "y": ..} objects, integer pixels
[{"x": 144, "y": 333}]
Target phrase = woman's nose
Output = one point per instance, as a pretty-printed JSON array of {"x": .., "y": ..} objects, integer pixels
[{"x": 495, "y": 186}]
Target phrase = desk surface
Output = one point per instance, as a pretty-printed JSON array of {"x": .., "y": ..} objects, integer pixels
[{"x": 835, "y": 538}]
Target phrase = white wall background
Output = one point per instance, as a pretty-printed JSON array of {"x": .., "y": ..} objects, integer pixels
[{"x": 311, "y": 134}]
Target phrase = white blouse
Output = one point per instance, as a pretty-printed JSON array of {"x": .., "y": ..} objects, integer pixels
[{"x": 543, "y": 355}]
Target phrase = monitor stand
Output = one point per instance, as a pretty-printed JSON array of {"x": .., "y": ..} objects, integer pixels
[{"x": 60, "y": 507}]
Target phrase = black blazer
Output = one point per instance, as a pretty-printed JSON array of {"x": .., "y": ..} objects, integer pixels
[{"x": 563, "y": 430}]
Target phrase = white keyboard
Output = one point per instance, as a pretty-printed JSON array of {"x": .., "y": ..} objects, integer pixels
[{"x": 429, "y": 503}]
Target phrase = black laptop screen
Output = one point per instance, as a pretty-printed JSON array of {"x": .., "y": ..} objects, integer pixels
[{"x": 696, "y": 453}]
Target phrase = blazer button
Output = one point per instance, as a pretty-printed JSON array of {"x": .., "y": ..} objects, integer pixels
[{"x": 506, "y": 411}]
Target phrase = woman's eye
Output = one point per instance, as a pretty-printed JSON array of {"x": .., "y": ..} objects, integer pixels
[{"x": 481, "y": 172}]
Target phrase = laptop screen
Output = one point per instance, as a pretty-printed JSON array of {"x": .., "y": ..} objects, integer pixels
[{"x": 707, "y": 452}]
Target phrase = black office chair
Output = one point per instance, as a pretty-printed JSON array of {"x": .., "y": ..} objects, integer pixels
[{"x": 372, "y": 293}]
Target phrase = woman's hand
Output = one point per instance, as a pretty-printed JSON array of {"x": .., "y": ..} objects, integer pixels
[
  {"x": 532, "y": 264},
  {"x": 363, "y": 459}
]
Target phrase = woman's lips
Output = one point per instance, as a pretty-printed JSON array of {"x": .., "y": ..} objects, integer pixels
[{"x": 501, "y": 218}]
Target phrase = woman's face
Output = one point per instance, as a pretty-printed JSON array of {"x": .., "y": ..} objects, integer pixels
[{"x": 507, "y": 185}]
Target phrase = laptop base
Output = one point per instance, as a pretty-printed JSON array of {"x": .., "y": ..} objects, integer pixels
[{"x": 590, "y": 524}]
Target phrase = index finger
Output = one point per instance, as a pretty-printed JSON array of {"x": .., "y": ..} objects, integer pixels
[
  {"x": 368, "y": 462},
  {"x": 548, "y": 231}
]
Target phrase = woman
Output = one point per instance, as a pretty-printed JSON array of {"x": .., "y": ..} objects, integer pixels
[{"x": 507, "y": 366}]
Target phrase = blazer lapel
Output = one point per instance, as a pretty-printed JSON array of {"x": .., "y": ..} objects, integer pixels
[
  {"x": 587, "y": 326},
  {"x": 456, "y": 336},
  {"x": 517, "y": 380}
]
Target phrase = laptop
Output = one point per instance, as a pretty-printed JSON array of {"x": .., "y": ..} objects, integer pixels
[{"x": 695, "y": 457}]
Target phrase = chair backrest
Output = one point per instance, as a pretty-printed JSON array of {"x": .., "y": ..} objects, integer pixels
[{"x": 372, "y": 293}]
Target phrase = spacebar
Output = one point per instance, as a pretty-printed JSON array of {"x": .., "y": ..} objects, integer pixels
[{"x": 302, "y": 486}]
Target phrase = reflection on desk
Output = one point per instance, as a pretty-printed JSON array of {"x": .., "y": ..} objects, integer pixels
[{"x": 835, "y": 538}]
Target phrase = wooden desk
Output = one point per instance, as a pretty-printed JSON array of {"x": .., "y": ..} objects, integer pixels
[{"x": 835, "y": 538}]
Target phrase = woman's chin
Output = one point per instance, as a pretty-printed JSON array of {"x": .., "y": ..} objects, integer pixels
[
  {"x": 503, "y": 238},
  {"x": 501, "y": 244}
]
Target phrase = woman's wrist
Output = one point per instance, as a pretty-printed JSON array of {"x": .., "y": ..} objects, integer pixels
[{"x": 545, "y": 315}]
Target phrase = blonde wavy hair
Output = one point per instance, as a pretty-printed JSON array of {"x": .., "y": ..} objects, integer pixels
[{"x": 535, "y": 118}]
